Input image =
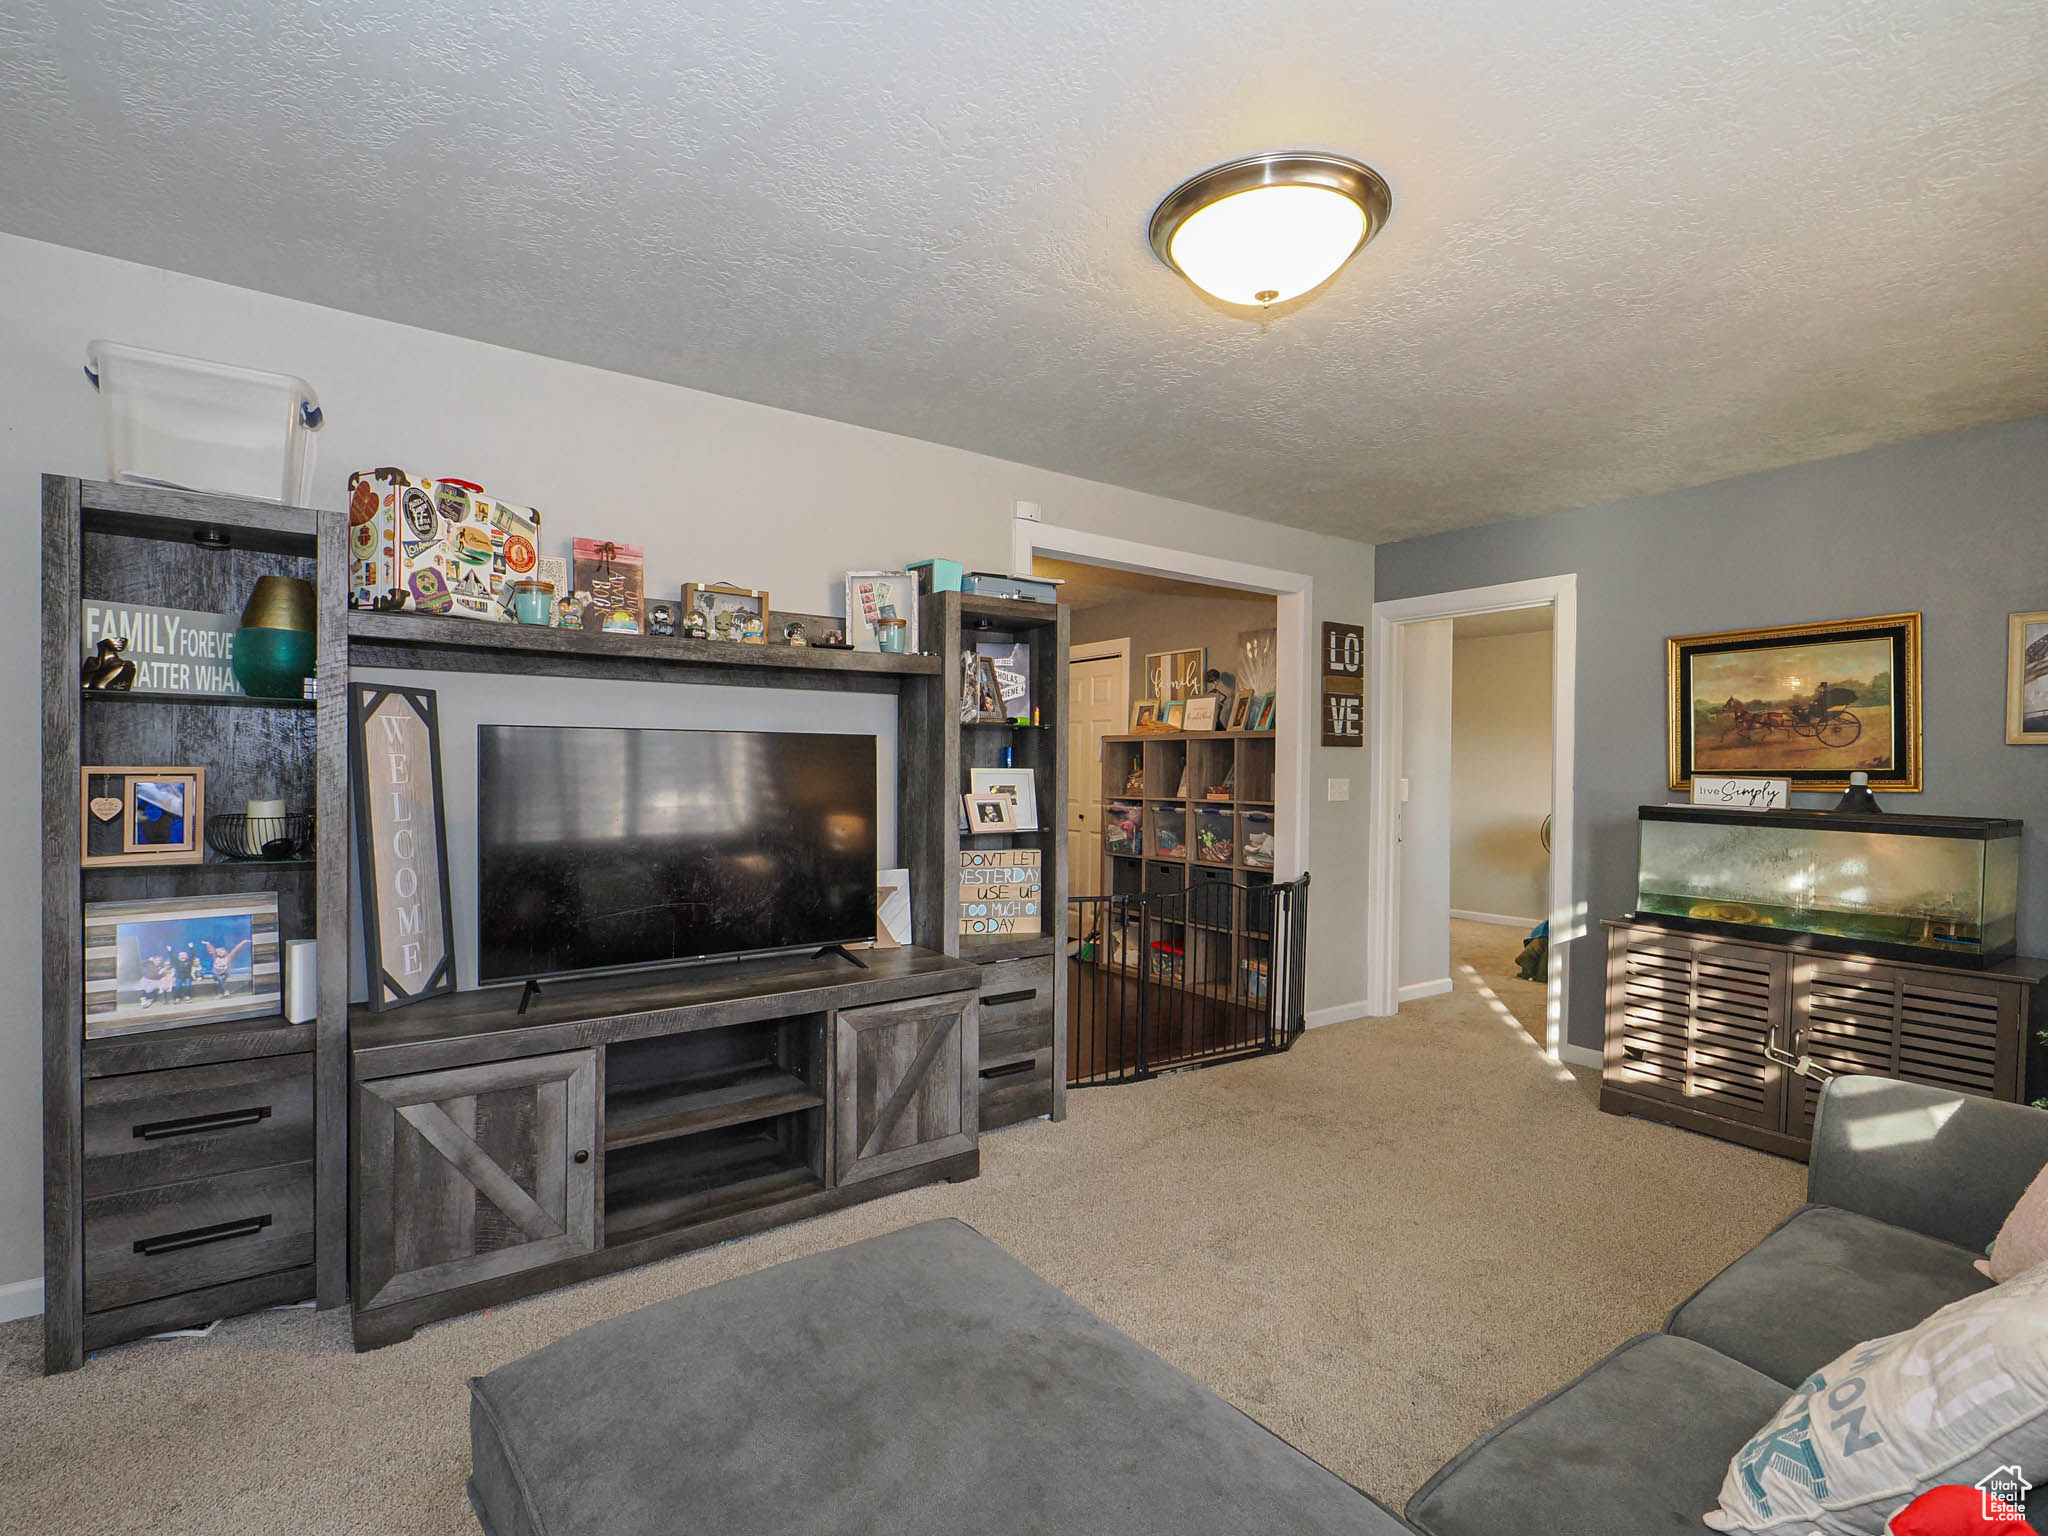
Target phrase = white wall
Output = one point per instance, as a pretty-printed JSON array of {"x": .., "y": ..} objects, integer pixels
[
  {"x": 1424, "y": 819},
  {"x": 1500, "y": 774},
  {"x": 713, "y": 488}
]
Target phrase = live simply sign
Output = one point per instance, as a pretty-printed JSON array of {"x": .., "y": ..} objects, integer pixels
[{"x": 1343, "y": 685}]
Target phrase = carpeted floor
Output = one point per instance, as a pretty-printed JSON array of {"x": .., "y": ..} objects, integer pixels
[{"x": 1377, "y": 1244}]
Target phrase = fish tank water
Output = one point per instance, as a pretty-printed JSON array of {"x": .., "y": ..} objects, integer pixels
[{"x": 1932, "y": 887}]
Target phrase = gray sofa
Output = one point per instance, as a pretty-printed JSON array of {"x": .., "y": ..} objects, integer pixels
[
  {"x": 925, "y": 1382},
  {"x": 1907, "y": 1187}
]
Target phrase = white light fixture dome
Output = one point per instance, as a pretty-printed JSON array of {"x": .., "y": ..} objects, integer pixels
[{"x": 1266, "y": 229}]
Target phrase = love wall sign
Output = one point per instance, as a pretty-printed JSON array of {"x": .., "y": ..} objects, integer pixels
[
  {"x": 401, "y": 843},
  {"x": 1343, "y": 685}
]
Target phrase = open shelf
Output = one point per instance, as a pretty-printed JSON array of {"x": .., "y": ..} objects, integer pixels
[
  {"x": 479, "y": 645},
  {"x": 661, "y": 1185},
  {"x": 758, "y": 1091},
  {"x": 209, "y": 700}
]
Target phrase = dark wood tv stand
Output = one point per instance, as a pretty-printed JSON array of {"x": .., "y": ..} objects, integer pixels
[{"x": 616, "y": 1120}]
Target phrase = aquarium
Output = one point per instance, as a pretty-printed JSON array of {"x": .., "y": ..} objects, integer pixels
[{"x": 1938, "y": 887}]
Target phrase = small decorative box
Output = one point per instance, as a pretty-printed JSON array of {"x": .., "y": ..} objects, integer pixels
[{"x": 1030, "y": 589}]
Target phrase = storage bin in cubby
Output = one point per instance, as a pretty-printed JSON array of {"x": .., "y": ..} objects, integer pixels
[
  {"x": 1166, "y": 832},
  {"x": 1255, "y": 839},
  {"x": 1123, "y": 826},
  {"x": 1215, "y": 834}
]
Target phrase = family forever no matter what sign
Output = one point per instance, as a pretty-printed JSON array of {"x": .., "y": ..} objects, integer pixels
[
  {"x": 395, "y": 741},
  {"x": 1343, "y": 685}
]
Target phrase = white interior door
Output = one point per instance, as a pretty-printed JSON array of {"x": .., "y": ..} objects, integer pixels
[
  {"x": 1096, "y": 690},
  {"x": 1422, "y": 809}
]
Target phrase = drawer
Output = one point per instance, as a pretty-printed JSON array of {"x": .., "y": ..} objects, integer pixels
[
  {"x": 1017, "y": 1090},
  {"x": 146, "y": 1243},
  {"x": 1013, "y": 981},
  {"x": 1016, "y": 1010},
  {"x": 186, "y": 1122}
]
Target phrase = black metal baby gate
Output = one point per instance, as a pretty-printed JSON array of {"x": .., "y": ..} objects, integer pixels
[{"x": 1198, "y": 973}]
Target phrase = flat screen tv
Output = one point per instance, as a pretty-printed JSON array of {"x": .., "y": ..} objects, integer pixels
[{"x": 602, "y": 849}]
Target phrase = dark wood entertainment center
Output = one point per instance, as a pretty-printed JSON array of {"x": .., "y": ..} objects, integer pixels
[
  {"x": 455, "y": 1153},
  {"x": 624, "y": 1119}
]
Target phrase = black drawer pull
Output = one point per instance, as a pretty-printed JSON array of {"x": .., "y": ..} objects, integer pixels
[
  {"x": 199, "y": 1237},
  {"x": 1010, "y": 1069},
  {"x": 197, "y": 1125},
  {"x": 997, "y": 999}
]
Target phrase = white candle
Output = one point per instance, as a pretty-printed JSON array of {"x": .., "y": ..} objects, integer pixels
[{"x": 265, "y": 823}]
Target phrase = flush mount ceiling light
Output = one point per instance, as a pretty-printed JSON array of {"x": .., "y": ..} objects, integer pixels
[{"x": 1268, "y": 228}]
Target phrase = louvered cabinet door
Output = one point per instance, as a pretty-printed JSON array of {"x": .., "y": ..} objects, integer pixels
[
  {"x": 1688, "y": 1021},
  {"x": 1953, "y": 1031}
]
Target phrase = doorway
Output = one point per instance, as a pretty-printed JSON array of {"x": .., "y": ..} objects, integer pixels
[
  {"x": 1408, "y": 921},
  {"x": 1098, "y": 690}
]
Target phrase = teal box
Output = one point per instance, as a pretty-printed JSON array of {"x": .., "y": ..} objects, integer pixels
[{"x": 936, "y": 575}]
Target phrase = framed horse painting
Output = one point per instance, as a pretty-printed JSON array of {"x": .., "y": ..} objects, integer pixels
[{"x": 1812, "y": 703}]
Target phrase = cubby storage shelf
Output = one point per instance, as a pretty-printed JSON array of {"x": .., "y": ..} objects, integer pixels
[
  {"x": 477, "y": 645},
  {"x": 667, "y": 1189},
  {"x": 756, "y": 1092}
]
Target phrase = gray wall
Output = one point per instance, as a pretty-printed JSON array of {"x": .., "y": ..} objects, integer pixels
[
  {"x": 1174, "y": 624},
  {"x": 1955, "y": 527}
]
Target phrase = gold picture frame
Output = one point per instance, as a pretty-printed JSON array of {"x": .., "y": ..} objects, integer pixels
[
  {"x": 161, "y": 816},
  {"x": 748, "y": 607},
  {"x": 2026, "y": 670},
  {"x": 1809, "y": 703}
]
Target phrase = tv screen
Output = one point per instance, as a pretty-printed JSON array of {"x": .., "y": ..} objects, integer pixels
[{"x": 600, "y": 848}]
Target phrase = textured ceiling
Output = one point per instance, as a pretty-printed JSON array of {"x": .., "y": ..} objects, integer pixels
[{"x": 1635, "y": 243}]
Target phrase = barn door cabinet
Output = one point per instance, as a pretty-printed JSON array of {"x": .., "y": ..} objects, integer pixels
[
  {"x": 499, "y": 1154},
  {"x": 1695, "y": 1022}
]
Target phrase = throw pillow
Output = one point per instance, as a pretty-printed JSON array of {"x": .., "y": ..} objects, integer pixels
[
  {"x": 2023, "y": 1241},
  {"x": 1954, "y": 1400}
]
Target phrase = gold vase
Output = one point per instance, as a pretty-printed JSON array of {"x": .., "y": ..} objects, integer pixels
[{"x": 280, "y": 602}]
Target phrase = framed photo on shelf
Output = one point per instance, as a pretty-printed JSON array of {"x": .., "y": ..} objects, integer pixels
[
  {"x": 1239, "y": 710},
  {"x": 1020, "y": 784},
  {"x": 981, "y": 699},
  {"x": 181, "y": 960},
  {"x": 1201, "y": 712},
  {"x": 1811, "y": 703},
  {"x": 1176, "y": 714},
  {"x": 875, "y": 595},
  {"x": 1175, "y": 674},
  {"x": 2026, "y": 680},
  {"x": 989, "y": 813},
  {"x": 1145, "y": 716},
  {"x": 1012, "y": 661},
  {"x": 141, "y": 816},
  {"x": 729, "y": 613}
]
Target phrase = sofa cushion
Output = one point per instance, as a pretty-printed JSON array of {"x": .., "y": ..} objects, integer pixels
[
  {"x": 1824, "y": 1280},
  {"x": 922, "y": 1383},
  {"x": 1635, "y": 1447}
]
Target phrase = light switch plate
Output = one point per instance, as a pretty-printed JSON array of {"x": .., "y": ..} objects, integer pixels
[{"x": 1340, "y": 789}]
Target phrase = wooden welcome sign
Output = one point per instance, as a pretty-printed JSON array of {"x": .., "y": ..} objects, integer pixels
[{"x": 402, "y": 847}]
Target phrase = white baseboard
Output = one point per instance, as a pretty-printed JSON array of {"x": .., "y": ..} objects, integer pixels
[
  {"x": 21, "y": 1298},
  {"x": 1415, "y": 991},
  {"x": 1342, "y": 1013},
  {"x": 1579, "y": 1056},
  {"x": 1498, "y": 919}
]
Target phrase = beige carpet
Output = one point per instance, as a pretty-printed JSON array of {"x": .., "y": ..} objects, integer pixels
[{"x": 1377, "y": 1244}]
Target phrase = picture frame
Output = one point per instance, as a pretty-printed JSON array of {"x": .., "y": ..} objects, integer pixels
[
  {"x": 2026, "y": 679},
  {"x": 1174, "y": 714},
  {"x": 1201, "y": 712},
  {"x": 982, "y": 698},
  {"x": 737, "y": 614},
  {"x": 141, "y": 816},
  {"x": 1239, "y": 710},
  {"x": 1145, "y": 715},
  {"x": 893, "y": 926},
  {"x": 401, "y": 843},
  {"x": 169, "y": 962},
  {"x": 1171, "y": 675},
  {"x": 989, "y": 813},
  {"x": 1013, "y": 663},
  {"x": 872, "y": 595},
  {"x": 1810, "y": 703},
  {"x": 1020, "y": 784}
]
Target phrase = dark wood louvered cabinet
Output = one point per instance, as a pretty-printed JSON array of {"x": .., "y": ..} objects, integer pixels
[{"x": 1694, "y": 1021}]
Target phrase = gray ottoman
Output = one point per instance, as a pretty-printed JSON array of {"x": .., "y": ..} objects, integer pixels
[{"x": 923, "y": 1384}]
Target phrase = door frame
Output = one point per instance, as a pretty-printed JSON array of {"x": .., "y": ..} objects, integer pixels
[
  {"x": 1097, "y": 650},
  {"x": 1293, "y": 594},
  {"x": 1567, "y": 914}
]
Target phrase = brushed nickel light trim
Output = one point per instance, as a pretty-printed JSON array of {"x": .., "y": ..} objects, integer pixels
[{"x": 1352, "y": 179}]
